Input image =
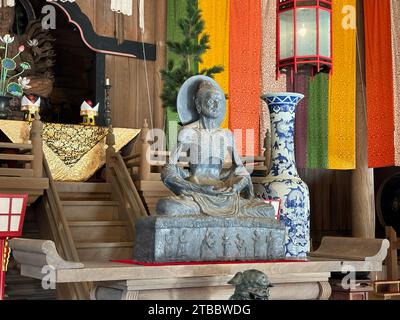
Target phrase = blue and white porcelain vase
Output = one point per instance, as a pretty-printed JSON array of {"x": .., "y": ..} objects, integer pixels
[{"x": 283, "y": 181}]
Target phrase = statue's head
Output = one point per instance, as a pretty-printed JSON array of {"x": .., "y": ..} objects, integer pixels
[
  {"x": 201, "y": 97},
  {"x": 209, "y": 101},
  {"x": 7, "y": 16}
]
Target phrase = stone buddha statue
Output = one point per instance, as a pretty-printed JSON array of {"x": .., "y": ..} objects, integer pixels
[
  {"x": 38, "y": 52},
  {"x": 208, "y": 187},
  {"x": 214, "y": 214}
]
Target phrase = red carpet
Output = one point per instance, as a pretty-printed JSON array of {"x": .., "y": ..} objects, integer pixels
[{"x": 161, "y": 264}]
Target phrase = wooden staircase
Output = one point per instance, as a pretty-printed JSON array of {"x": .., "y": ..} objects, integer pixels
[
  {"x": 99, "y": 231},
  {"x": 87, "y": 221}
]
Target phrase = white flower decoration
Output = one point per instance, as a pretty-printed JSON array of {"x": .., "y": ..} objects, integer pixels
[
  {"x": 7, "y": 39},
  {"x": 33, "y": 42},
  {"x": 24, "y": 82}
]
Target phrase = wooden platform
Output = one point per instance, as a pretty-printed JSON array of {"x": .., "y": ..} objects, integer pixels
[{"x": 308, "y": 279}]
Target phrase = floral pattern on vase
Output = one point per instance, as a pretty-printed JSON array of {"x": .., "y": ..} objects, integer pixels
[{"x": 283, "y": 181}]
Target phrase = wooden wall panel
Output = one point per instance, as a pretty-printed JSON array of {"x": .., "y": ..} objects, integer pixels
[
  {"x": 87, "y": 7},
  {"x": 130, "y": 100},
  {"x": 103, "y": 19},
  {"x": 330, "y": 199}
]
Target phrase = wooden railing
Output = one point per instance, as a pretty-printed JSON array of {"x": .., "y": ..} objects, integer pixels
[
  {"x": 125, "y": 190},
  {"x": 27, "y": 157},
  {"x": 149, "y": 162},
  {"x": 61, "y": 234}
]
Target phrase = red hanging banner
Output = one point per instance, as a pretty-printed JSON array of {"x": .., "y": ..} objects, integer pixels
[{"x": 379, "y": 83}]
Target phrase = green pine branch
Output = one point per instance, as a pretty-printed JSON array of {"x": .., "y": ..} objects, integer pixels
[{"x": 190, "y": 50}]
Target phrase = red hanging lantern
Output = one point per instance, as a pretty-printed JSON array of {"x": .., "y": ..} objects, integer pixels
[
  {"x": 12, "y": 215},
  {"x": 304, "y": 36}
]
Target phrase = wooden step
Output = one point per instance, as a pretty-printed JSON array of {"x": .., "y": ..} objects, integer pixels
[
  {"x": 99, "y": 231},
  {"x": 29, "y": 292},
  {"x": 16, "y": 157},
  {"x": 83, "y": 187},
  {"x": 23, "y": 288},
  {"x": 16, "y": 172},
  {"x": 20, "y": 146},
  {"x": 70, "y": 191},
  {"x": 105, "y": 251},
  {"x": 95, "y": 210},
  {"x": 73, "y": 196}
]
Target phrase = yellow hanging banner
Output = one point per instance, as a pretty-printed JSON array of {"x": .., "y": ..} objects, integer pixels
[
  {"x": 216, "y": 17},
  {"x": 342, "y": 88}
]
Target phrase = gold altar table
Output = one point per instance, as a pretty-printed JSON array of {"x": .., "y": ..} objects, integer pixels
[{"x": 73, "y": 152}]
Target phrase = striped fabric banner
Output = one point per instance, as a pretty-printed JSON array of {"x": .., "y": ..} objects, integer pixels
[
  {"x": 268, "y": 63},
  {"x": 317, "y": 122},
  {"x": 243, "y": 40},
  {"x": 395, "y": 28},
  {"x": 379, "y": 83},
  {"x": 342, "y": 92},
  {"x": 216, "y": 17},
  {"x": 245, "y": 70}
]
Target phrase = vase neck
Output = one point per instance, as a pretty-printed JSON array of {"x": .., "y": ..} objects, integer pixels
[{"x": 283, "y": 163}]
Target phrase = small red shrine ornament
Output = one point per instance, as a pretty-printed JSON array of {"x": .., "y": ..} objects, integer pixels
[
  {"x": 304, "y": 36},
  {"x": 12, "y": 215}
]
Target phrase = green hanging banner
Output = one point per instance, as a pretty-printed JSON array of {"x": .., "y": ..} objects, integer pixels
[
  {"x": 176, "y": 10},
  {"x": 317, "y": 131}
]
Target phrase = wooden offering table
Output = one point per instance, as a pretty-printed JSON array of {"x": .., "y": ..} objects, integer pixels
[{"x": 305, "y": 279}]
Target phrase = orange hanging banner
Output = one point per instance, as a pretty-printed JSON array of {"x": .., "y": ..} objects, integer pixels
[
  {"x": 245, "y": 72},
  {"x": 379, "y": 83}
]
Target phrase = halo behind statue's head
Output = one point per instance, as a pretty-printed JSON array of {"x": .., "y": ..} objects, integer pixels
[{"x": 186, "y": 99}]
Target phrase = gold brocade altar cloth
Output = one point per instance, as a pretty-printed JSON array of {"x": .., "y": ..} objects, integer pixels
[{"x": 73, "y": 152}]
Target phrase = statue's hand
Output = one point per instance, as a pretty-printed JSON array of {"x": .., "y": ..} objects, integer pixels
[
  {"x": 209, "y": 190},
  {"x": 238, "y": 187}
]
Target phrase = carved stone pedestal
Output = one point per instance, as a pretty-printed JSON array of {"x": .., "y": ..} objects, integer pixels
[{"x": 203, "y": 238}]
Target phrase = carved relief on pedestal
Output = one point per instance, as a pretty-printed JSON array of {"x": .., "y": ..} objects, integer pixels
[
  {"x": 181, "y": 251},
  {"x": 208, "y": 245},
  {"x": 226, "y": 244},
  {"x": 169, "y": 245},
  {"x": 257, "y": 244},
  {"x": 270, "y": 245},
  {"x": 241, "y": 247}
]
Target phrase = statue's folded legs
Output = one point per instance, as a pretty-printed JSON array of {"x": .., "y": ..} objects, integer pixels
[{"x": 186, "y": 205}]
